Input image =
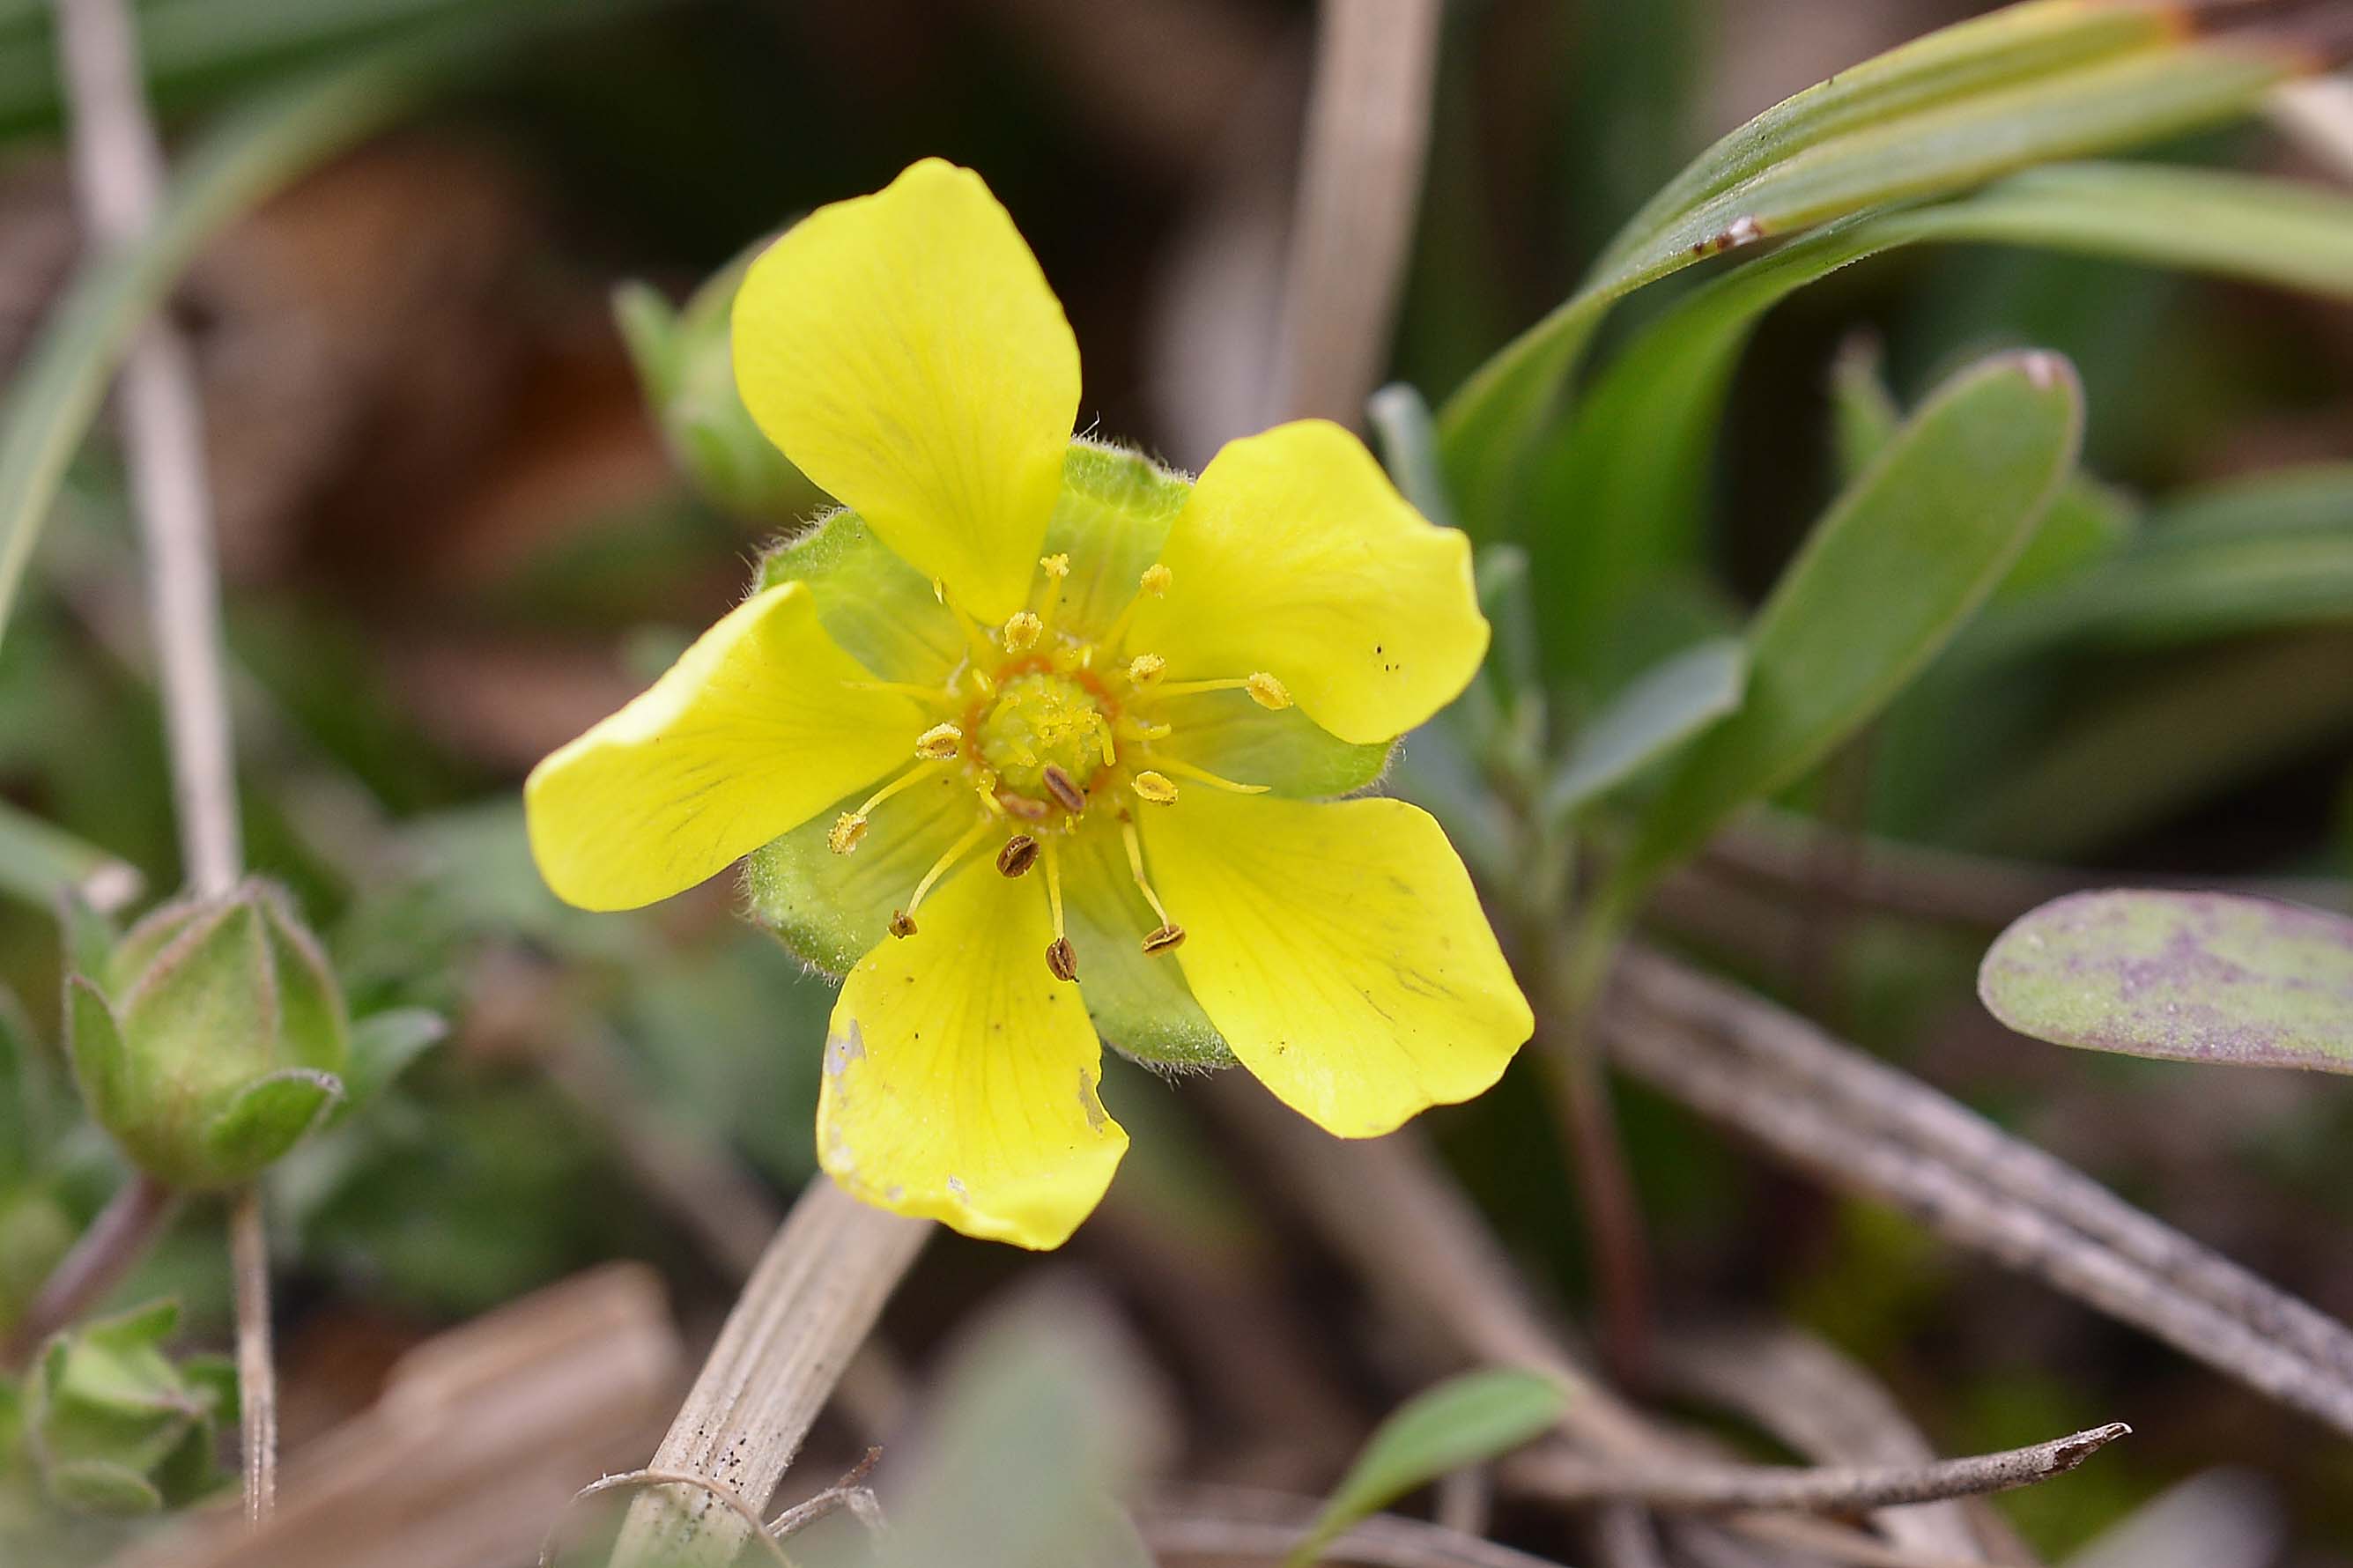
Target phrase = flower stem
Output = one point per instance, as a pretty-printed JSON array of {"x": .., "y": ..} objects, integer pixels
[
  {"x": 118, "y": 169},
  {"x": 116, "y": 1241}
]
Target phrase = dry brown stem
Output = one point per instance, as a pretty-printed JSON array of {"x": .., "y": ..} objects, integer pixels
[
  {"x": 805, "y": 1311},
  {"x": 1865, "y": 1128},
  {"x": 1563, "y": 1475}
]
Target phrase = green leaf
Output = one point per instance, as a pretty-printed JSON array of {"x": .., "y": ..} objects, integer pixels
[
  {"x": 382, "y": 1046},
  {"x": 2202, "y": 977},
  {"x": 1940, "y": 116},
  {"x": 99, "y": 1486},
  {"x": 38, "y": 862},
  {"x": 1463, "y": 1421},
  {"x": 1408, "y": 437},
  {"x": 257, "y": 151},
  {"x": 1661, "y": 709},
  {"x": 1630, "y": 479},
  {"x": 1896, "y": 566}
]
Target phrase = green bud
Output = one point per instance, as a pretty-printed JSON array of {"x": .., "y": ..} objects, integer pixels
[
  {"x": 113, "y": 1427},
  {"x": 219, "y": 1040},
  {"x": 687, "y": 366}
]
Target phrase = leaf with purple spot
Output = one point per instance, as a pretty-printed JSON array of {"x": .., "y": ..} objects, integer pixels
[{"x": 2204, "y": 977}]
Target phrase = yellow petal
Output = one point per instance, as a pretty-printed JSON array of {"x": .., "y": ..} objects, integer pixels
[
  {"x": 905, "y": 351},
  {"x": 960, "y": 1076},
  {"x": 757, "y": 727},
  {"x": 1340, "y": 949},
  {"x": 1296, "y": 556}
]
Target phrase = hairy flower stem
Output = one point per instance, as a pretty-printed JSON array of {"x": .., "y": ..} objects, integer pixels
[
  {"x": 139, "y": 1211},
  {"x": 1569, "y": 985},
  {"x": 118, "y": 167}
]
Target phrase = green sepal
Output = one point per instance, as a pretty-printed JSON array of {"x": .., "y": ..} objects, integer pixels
[
  {"x": 36, "y": 1234},
  {"x": 880, "y": 610},
  {"x": 265, "y": 1119},
  {"x": 1282, "y": 749},
  {"x": 830, "y": 910},
  {"x": 101, "y": 1487},
  {"x": 1112, "y": 521},
  {"x": 1139, "y": 1001},
  {"x": 94, "y": 1046}
]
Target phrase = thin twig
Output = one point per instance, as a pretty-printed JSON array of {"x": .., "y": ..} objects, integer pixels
[
  {"x": 1564, "y": 1476},
  {"x": 139, "y": 1211},
  {"x": 1359, "y": 188},
  {"x": 727, "y": 1496},
  {"x": 1822, "y": 1403},
  {"x": 1861, "y": 1126},
  {"x": 850, "y": 1492},
  {"x": 118, "y": 166},
  {"x": 1244, "y": 1522},
  {"x": 808, "y": 1307}
]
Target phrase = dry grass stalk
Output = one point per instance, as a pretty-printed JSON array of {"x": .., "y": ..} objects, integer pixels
[
  {"x": 479, "y": 1438},
  {"x": 1247, "y": 1525},
  {"x": 805, "y": 1311},
  {"x": 1359, "y": 189},
  {"x": 1862, "y": 1127}
]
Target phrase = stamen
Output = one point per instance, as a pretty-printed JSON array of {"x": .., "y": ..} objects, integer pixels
[
  {"x": 1057, "y": 568},
  {"x": 1144, "y": 668},
  {"x": 851, "y": 826},
  {"x": 902, "y": 925},
  {"x": 931, "y": 696},
  {"x": 1022, "y": 630},
  {"x": 1168, "y": 935},
  {"x": 1203, "y": 776},
  {"x": 1105, "y": 742},
  {"x": 939, "y": 743},
  {"x": 941, "y": 867},
  {"x": 984, "y": 782},
  {"x": 1154, "y": 788},
  {"x": 1153, "y": 580},
  {"x": 1061, "y": 959},
  {"x": 1264, "y": 689},
  {"x": 983, "y": 651},
  {"x": 1021, "y": 853},
  {"x": 1138, "y": 730},
  {"x": 1064, "y": 788}
]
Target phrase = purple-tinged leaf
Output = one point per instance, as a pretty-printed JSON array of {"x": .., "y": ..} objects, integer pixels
[{"x": 2204, "y": 977}]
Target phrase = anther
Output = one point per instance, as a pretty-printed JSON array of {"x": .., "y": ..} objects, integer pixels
[
  {"x": 939, "y": 743},
  {"x": 1267, "y": 691},
  {"x": 1061, "y": 959},
  {"x": 1021, "y": 853},
  {"x": 902, "y": 924},
  {"x": 1055, "y": 565},
  {"x": 1155, "y": 580},
  {"x": 1064, "y": 788},
  {"x": 1022, "y": 630},
  {"x": 1167, "y": 939},
  {"x": 1144, "y": 668},
  {"x": 1158, "y": 788},
  {"x": 847, "y": 830}
]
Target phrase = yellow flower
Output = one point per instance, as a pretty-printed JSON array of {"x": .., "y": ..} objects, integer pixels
[{"x": 1038, "y": 712}]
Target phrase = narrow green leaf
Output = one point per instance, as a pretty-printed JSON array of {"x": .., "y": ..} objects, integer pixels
[
  {"x": 38, "y": 862},
  {"x": 1963, "y": 120},
  {"x": 1661, "y": 711},
  {"x": 1462, "y": 1420},
  {"x": 1408, "y": 437},
  {"x": 2202, "y": 977},
  {"x": 1629, "y": 483},
  {"x": 1892, "y": 570},
  {"x": 382, "y": 1046}
]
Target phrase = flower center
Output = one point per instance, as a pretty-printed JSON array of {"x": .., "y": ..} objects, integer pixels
[{"x": 1045, "y": 735}]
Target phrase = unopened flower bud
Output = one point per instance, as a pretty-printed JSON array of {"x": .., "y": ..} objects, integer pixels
[
  {"x": 686, "y": 367},
  {"x": 218, "y": 1039},
  {"x": 112, "y": 1427}
]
